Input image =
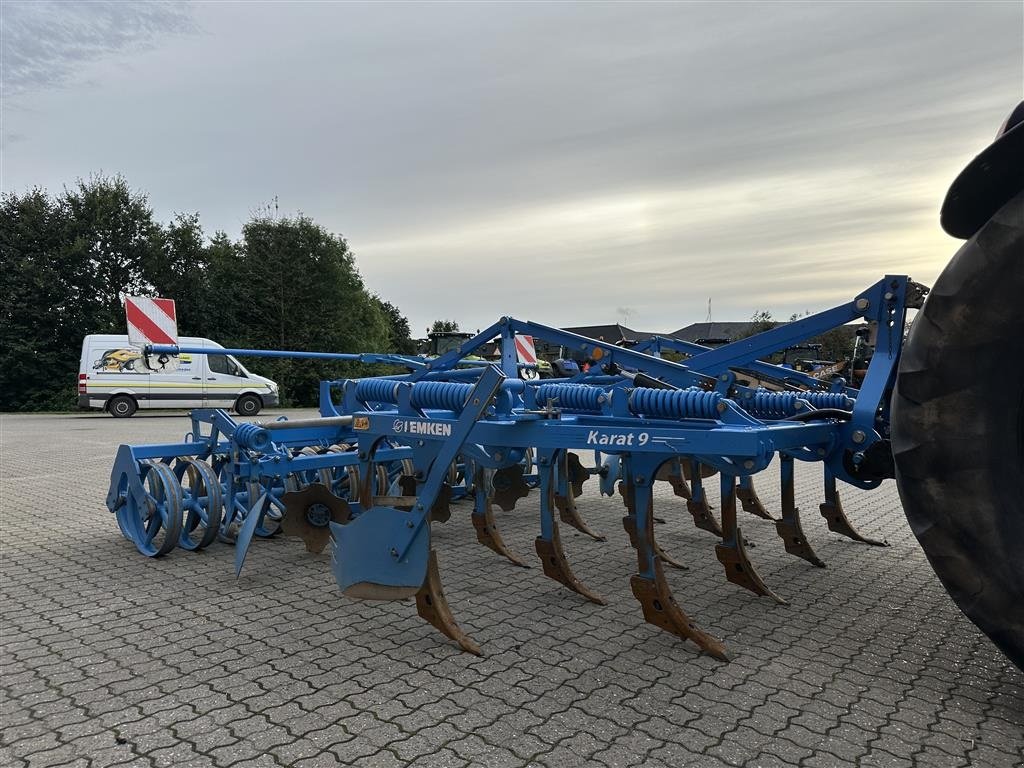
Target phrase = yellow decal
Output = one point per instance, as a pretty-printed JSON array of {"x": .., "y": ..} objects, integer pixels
[
  {"x": 361, "y": 422},
  {"x": 597, "y": 354}
]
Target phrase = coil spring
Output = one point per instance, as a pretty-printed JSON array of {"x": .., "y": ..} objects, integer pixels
[
  {"x": 446, "y": 395},
  {"x": 376, "y": 391},
  {"x": 829, "y": 400},
  {"x": 779, "y": 405},
  {"x": 692, "y": 403},
  {"x": 252, "y": 437},
  {"x": 572, "y": 397}
]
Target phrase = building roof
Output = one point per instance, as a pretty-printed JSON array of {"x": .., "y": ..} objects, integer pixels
[
  {"x": 721, "y": 330},
  {"x": 610, "y": 333}
]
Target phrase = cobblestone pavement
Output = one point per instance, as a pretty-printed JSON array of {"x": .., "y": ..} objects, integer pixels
[{"x": 110, "y": 658}]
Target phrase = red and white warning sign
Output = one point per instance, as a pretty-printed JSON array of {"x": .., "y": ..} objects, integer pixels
[
  {"x": 151, "y": 320},
  {"x": 525, "y": 351}
]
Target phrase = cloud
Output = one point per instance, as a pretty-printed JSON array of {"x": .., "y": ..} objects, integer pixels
[
  {"x": 556, "y": 161},
  {"x": 45, "y": 43}
]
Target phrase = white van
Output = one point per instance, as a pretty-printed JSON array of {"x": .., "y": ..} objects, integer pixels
[{"x": 113, "y": 377}]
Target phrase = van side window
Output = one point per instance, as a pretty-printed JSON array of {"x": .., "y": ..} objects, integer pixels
[
  {"x": 223, "y": 364},
  {"x": 219, "y": 364}
]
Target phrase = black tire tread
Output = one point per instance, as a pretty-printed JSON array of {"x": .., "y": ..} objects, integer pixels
[{"x": 958, "y": 429}]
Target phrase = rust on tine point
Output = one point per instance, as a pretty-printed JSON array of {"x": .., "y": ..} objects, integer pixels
[
  {"x": 750, "y": 501},
  {"x": 703, "y": 517},
  {"x": 732, "y": 553},
  {"x": 661, "y": 610},
  {"x": 834, "y": 514},
  {"x": 739, "y": 570},
  {"x": 487, "y": 533},
  {"x": 789, "y": 528},
  {"x": 432, "y": 606},
  {"x": 570, "y": 515},
  {"x": 556, "y": 567},
  {"x": 629, "y": 524}
]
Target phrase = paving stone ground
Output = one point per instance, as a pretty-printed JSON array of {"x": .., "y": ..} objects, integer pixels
[{"x": 110, "y": 658}]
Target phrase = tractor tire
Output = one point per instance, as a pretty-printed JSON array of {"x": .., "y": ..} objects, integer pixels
[
  {"x": 248, "y": 405},
  {"x": 122, "y": 406},
  {"x": 958, "y": 429}
]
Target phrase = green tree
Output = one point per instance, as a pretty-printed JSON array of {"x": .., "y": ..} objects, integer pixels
[
  {"x": 110, "y": 239},
  {"x": 299, "y": 288},
  {"x": 760, "y": 322},
  {"x": 399, "y": 334},
  {"x": 444, "y": 326},
  {"x": 65, "y": 263},
  {"x": 179, "y": 269}
]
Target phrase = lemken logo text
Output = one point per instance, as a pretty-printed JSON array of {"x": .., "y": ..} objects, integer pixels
[{"x": 415, "y": 427}]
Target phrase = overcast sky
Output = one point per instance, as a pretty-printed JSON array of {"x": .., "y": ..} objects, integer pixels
[{"x": 566, "y": 163}]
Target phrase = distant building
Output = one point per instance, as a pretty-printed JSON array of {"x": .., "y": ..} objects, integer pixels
[{"x": 713, "y": 333}]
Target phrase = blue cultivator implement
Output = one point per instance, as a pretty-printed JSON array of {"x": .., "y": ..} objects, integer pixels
[
  {"x": 390, "y": 454},
  {"x": 943, "y": 413}
]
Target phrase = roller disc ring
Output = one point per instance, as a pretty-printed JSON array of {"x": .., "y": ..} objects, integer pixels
[{"x": 203, "y": 503}]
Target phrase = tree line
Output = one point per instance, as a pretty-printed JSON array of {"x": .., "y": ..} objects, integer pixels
[{"x": 67, "y": 261}]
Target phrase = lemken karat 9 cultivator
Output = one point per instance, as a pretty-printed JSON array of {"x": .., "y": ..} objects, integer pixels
[{"x": 390, "y": 454}]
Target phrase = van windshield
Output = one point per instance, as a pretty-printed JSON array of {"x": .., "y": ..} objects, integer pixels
[{"x": 240, "y": 369}]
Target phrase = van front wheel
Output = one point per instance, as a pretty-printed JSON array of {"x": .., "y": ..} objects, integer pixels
[
  {"x": 122, "y": 406},
  {"x": 248, "y": 405}
]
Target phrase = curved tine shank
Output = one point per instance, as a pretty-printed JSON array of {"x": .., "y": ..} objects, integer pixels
[
  {"x": 789, "y": 527},
  {"x": 570, "y": 515},
  {"x": 652, "y": 590},
  {"x": 432, "y": 606},
  {"x": 549, "y": 543},
  {"x": 749, "y": 499},
  {"x": 732, "y": 553},
  {"x": 834, "y": 514},
  {"x": 629, "y": 523},
  {"x": 661, "y": 609},
  {"x": 556, "y": 566},
  {"x": 697, "y": 504},
  {"x": 487, "y": 532}
]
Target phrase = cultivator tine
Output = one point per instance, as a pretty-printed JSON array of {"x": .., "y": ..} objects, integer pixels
[
  {"x": 661, "y": 609},
  {"x": 432, "y": 605},
  {"x": 697, "y": 503},
  {"x": 252, "y": 521},
  {"x": 565, "y": 493},
  {"x": 629, "y": 523},
  {"x": 838, "y": 522},
  {"x": 749, "y": 499},
  {"x": 650, "y": 587},
  {"x": 556, "y": 567},
  {"x": 487, "y": 532},
  {"x": 789, "y": 527},
  {"x": 549, "y": 543},
  {"x": 570, "y": 515},
  {"x": 509, "y": 486},
  {"x": 732, "y": 552},
  {"x": 308, "y": 515}
]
